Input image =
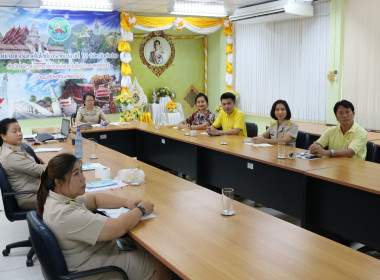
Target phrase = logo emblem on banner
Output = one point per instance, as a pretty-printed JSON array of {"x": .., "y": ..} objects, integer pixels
[{"x": 59, "y": 29}]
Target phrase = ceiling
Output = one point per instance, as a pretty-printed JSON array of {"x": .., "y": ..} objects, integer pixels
[{"x": 140, "y": 7}]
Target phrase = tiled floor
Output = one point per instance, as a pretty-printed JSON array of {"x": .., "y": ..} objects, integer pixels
[{"x": 13, "y": 266}]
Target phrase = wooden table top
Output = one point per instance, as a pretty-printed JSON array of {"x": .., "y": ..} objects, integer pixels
[
  {"x": 191, "y": 237},
  {"x": 235, "y": 146},
  {"x": 357, "y": 174}
]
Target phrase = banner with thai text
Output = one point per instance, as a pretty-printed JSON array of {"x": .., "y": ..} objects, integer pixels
[{"x": 50, "y": 58}]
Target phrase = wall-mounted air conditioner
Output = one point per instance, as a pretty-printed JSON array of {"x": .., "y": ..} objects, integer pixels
[{"x": 273, "y": 11}]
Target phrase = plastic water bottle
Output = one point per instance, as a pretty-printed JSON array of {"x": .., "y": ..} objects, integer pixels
[{"x": 78, "y": 144}]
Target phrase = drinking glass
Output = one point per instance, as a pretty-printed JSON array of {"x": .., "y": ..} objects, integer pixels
[
  {"x": 281, "y": 150},
  {"x": 228, "y": 202},
  {"x": 93, "y": 145}
]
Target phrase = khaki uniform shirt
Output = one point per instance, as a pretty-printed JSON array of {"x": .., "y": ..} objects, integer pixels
[
  {"x": 287, "y": 128},
  {"x": 94, "y": 117},
  {"x": 77, "y": 230},
  {"x": 23, "y": 173}
]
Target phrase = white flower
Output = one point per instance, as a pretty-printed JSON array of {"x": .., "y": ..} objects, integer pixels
[
  {"x": 125, "y": 57},
  {"x": 126, "y": 82},
  {"x": 178, "y": 23},
  {"x": 226, "y": 23},
  {"x": 126, "y": 35},
  {"x": 131, "y": 20},
  {"x": 229, "y": 79}
]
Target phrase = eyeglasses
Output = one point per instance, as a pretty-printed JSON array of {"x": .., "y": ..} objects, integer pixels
[{"x": 90, "y": 100}]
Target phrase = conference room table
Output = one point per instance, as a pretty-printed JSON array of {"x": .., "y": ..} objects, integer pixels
[
  {"x": 286, "y": 185},
  {"x": 193, "y": 239}
]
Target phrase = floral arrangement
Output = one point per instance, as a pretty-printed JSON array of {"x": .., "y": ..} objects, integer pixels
[
  {"x": 219, "y": 108},
  {"x": 124, "y": 98},
  {"x": 171, "y": 106},
  {"x": 131, "y": 115},
  {"x": 161, "y": 92}
]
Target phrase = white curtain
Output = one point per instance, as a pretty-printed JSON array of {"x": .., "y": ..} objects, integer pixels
[
  {"x": 284, "y": 60},
  {"x": 361, "y": 64}
]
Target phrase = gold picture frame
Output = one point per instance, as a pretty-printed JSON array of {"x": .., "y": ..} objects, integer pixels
[{"x": 157, "y": 52}]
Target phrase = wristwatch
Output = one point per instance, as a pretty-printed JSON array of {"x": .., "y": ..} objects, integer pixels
[
  {"x": 332, "y": 152},
  {"x": 142, "y": 209}
]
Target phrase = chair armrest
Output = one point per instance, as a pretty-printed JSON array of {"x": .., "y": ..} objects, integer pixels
[
  {"x": 17, "y": 193},
  {"x": 90, "y": 272}
]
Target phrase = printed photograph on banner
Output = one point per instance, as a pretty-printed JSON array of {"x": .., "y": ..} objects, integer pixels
[
  {"x": 157, "y": 50},
  {"x": 50, "y": 58}
]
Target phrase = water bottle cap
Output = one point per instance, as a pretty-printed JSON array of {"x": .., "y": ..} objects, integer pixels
[{"x": 78, "y": 129}]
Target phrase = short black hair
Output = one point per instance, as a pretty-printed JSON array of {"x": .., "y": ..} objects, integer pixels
[
  {"x": 157, "y": 41},
  {"x": 345, "y": 104},
  {"x": 88, "y": 94},
  {"x": 201, "y": 94},
  {"x": 283, "y": 102},
  {"x": 4, "y": 125},
  {"x": 228, "y": 95}
]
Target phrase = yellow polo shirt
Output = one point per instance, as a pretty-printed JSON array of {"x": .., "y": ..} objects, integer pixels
[
  {"x": 355, "y": 138},
  {"x": 228, "y": 122}
]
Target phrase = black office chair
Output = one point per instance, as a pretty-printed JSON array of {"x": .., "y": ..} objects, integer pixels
[
  {"x": 49, "y": 253},
  {"x": 73, "y": 117},
  {"x": 14, "y": 213},
  {"x": 371, "y": 152},
  {"x": 30, "y": 151},
  {"x": 303, "y": 140},
  {"x": 251, "y": 129}
]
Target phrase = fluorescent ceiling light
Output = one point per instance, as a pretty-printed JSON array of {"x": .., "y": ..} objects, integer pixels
[
  {"x": 203, "y": 8},
  {"x": 82, "y": 5}
]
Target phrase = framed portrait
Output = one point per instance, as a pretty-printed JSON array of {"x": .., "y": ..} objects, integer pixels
[{"x": 157, "y": 52}]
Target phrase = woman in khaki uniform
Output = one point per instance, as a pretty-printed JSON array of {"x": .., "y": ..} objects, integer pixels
[
  {"x": 90, "y": 114},
  {"x": 87, "y": 239},
  {"x": 23, "y": 172},
  {"x": 282, "y": 129}
]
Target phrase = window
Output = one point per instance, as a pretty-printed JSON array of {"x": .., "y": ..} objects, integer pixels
[{"x": 284, "y": 60}]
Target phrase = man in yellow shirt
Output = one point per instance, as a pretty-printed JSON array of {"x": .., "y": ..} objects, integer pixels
[
  {"x": 348, "y": 139},
  {"x": 231, "y": 118}
]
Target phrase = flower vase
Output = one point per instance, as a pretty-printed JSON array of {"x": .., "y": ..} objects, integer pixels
[{"x": 162, "y": 102}]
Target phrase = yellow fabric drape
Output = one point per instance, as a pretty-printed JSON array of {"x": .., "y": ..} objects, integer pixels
[
  {"x": 154, "y": 21},
  {"x": 124, "y": 90},
  {"x": 126, "y": 69},
  {"x": 124, "y": 46},
  {"x": 229, "y": 48},
  {"x": 229, "y": 68},
  {"x": 203, "y": 22},
  {"x": 146, "y": 117}
]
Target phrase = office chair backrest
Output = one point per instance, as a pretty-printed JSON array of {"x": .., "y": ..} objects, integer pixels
[
  {"x": 251, "y": 129},
  {"x": 371, "y": 152},
  {"x": 12, "y": 211},
  {"x": 30, "y": 151},
  {"x": 45, "y": 244},
  {"x": 73, "y": 117},
  {"x": 303, "y": 140}
]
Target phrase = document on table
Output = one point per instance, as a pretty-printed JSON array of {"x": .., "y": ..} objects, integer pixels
[
  {"x": 93, "y": 187},
  {"x": 91, "y": 166},
  {"x": 114, "y": 213},
  {"x": 119, "y": 123},
  {"x": 258, "y": 145},
  {"x": 41, "y": 150}
]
